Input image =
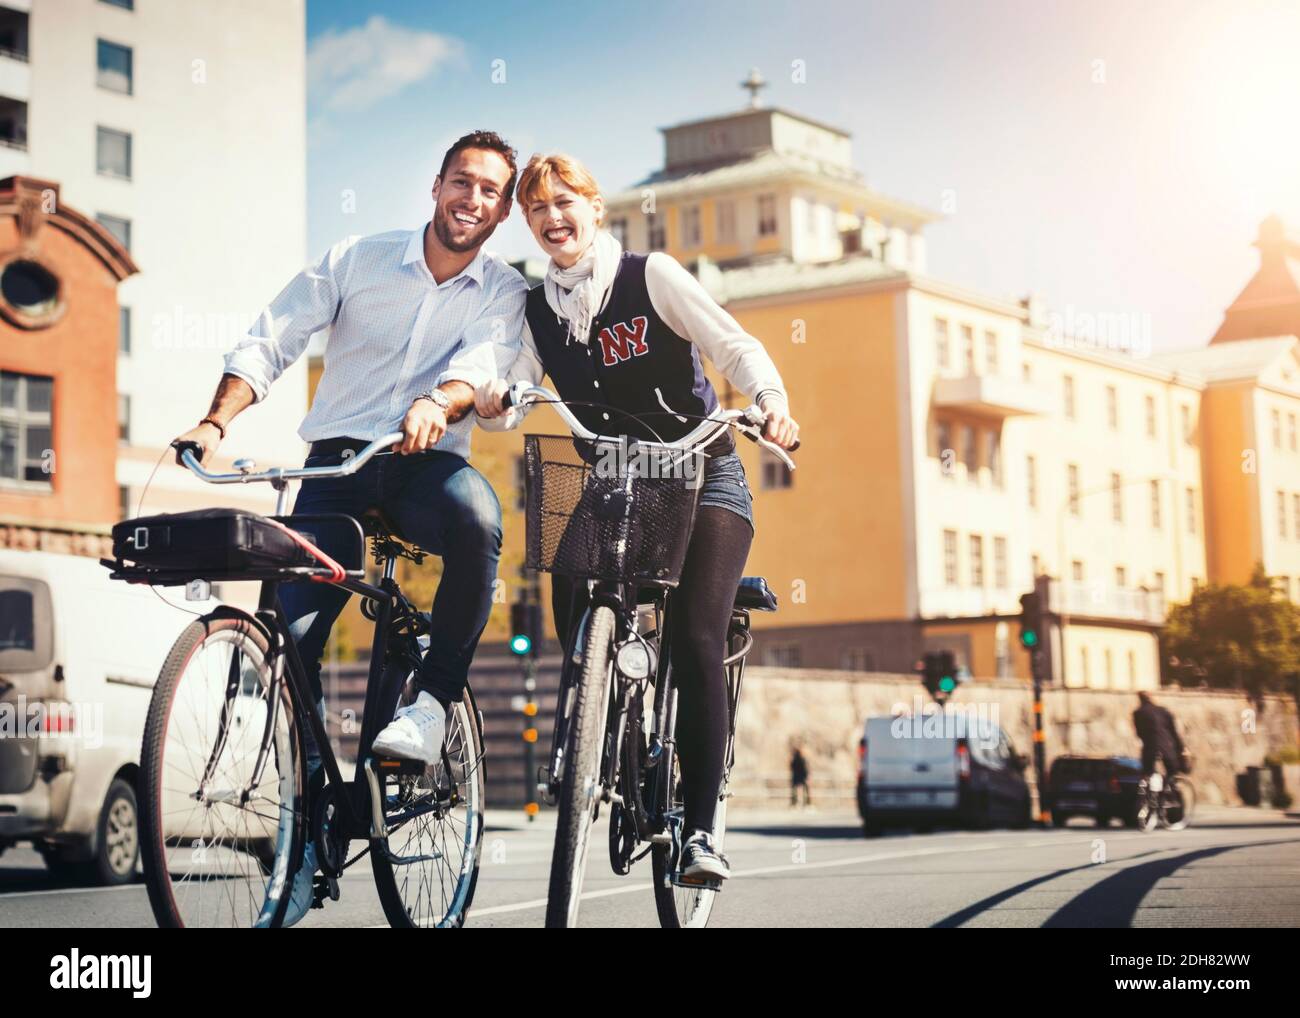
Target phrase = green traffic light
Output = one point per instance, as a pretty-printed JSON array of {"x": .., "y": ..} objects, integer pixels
[
  {"x": 1029, "y": 639},
  {"x": 947, "y": 684},
  {"x": 520, "y": 644}
]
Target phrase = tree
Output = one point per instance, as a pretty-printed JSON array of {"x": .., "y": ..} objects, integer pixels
[{"x": 1241, "y": 636}]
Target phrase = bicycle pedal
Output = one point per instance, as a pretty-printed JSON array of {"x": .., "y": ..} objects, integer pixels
[
  {"x": 697, "y": 883},
  {"x": 324, "y": 887},
  {"x": 397, "y": 765}
]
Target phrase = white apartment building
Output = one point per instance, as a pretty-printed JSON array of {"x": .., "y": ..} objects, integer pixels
[{"x": 181, "y": 126}]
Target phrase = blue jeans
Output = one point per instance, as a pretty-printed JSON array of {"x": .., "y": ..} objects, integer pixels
[{"x": 437, "y": 501}]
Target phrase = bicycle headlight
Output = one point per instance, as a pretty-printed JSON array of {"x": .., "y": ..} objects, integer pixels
[{"x": 635, "y": 660}]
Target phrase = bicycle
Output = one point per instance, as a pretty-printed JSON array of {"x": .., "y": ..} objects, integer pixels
[
  {"x": 225, "y": 807},
  {"x": 616, "y": 513},
  {"x": 1168, "y": 801}
]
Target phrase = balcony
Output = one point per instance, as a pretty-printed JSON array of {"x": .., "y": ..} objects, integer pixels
[
  {"x": 1105, "y": 601},
  {"x": 966, "y": 602},
  {"x": 992, "y": 396}
]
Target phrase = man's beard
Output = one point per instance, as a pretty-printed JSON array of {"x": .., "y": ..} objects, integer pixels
[{"x": 442, "y": 231}]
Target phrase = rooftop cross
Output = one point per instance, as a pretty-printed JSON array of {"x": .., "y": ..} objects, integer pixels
[{"x": 754, "y": 82}]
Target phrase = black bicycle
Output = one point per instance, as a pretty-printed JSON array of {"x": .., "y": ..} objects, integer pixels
[
  {"x": 225, "y": 807},
  {"x": 617, "y": 513}
]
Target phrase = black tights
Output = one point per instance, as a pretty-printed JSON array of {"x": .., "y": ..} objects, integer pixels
[{"x": 701, "y": 615}]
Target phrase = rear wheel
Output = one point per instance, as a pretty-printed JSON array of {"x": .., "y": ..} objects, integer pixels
[
  {"x": 683, "y": 907},
  {"x": 580, "y": 783},
  {"x": 435, "y": 829},
  {"x": 222, "y": 779}
]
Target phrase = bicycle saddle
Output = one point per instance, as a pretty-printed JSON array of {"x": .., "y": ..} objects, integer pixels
[
  {"x": 755, "y": 594},
  {"x": 377, "y": 524}
]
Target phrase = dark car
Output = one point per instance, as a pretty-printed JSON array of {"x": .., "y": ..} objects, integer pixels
[{"x": 1099, "y": 787}]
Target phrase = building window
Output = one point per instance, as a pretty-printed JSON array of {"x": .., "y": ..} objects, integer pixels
[
  {"x": 994, "y": 451},
  {"x": 991, "y": 352},
  {"x": 1132, "y": 669},
  {"x": 1116, "y": 498},
  {"x": 13, "y": 123},
  {"x": 943, "y": 439},
  {"x": 784, "y": 655},
  {"x": 1026, "y": 372},
  {"x": 1072, "y": 488},
  {"x": 1083, "y": 662},
  {"x": 1277, "y": 429},
  {"x": 1155, "y": 504},
  {"x": 976, "y": 560},
  {"x": 32, "y": 290},
  {"x": 618, "y": 230},
  {"x": 26, "y": 428},
  {"x": 1112, "y": 408},
  {"x": 1188, "y": 437},
  {"x": 950, "y": 557},
  {"x": 1068, "y": 396},
  {"x": 1031, "y": 482},
  {"x": 1110, "y": 674},
  {"x": 13, "y": 34},
  {"x": 1151, "y": 416},
  {"x": 941, "y": 342},
  {"x": 115, "y": 71},
  {"x": 969, "y": 454},
  {"x": 1121, "y": 577},
  {"x": 775, "y": 473},
  {"x": 118, "y": 227},
  {"x": 691, "y": 226},
  {"x": 1281, "y": 514},
  {"x": 123, "y": 418},
  {"x": 1295, "y": 505},
  {"x": 112, "y": 153},
  {"x": 1076, "y": 571},
  {"x": 858, "y": 659},
  {"x": 123, "y": 502},
  {"x": 1191, "y": 510},
  {"x": 655, "y": 238},
  {"x": 123, "y": 330},
  {"x": 1160, "y": 583},
  {"x": 521, "y": 485},
  {"x": 968, "y": 348},
  {"x": 1000, "y": 578},
  {"x": 766, "y": 215},
  {"x": 1291, "y": 431},
  {"x": 725, "y": 213}
]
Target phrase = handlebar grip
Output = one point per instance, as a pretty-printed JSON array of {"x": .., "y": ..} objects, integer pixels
[
  {"x": 507, "y": 400},
  {"x": 193, "y": 447},
  {"x": 754, "y": 438}
]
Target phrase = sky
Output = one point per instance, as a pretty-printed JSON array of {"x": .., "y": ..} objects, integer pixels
[{"x": 1114, "y": 157}]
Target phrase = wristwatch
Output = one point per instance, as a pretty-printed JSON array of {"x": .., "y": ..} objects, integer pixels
[{"x": 437, "y": 396}]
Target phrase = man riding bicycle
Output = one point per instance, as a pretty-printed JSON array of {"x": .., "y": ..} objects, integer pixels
[
  {"x": 1155, "y": 727},
  {"x": 417, "y": 319}
]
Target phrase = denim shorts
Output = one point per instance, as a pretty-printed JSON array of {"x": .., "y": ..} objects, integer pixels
[{"x": 726, "y": 488}]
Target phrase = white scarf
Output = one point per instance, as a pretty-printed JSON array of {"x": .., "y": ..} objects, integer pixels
[{"x": 578, "y": 294}]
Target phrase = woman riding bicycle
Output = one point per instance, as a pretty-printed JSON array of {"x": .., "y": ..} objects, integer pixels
[{"x": 625, "y": 331}]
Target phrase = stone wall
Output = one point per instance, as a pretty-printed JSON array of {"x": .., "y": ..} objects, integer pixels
[{"x": 823, "y": 712}]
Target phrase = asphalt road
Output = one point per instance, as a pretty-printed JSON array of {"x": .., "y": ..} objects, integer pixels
[{"x": 1235, "y": 867}]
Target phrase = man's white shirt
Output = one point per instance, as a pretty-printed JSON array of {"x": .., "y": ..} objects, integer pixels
[{"x": 393, "y": 334}]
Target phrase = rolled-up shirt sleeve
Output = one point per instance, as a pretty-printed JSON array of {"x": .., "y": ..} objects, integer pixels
[
  {"x": 687, "y": 309},
  {"x": 491, "y": 342},
  {"x": 281, "y": 332},
  {"x": 527, "y": 367}
]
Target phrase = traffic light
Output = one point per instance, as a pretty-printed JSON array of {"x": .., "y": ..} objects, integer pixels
[
  {"x": 525, "y": 629},
  {"x": 938, "y": 670},
  {"x": 1031, "y": 621}
]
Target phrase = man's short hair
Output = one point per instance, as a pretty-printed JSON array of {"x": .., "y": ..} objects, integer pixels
[{"x": 489, "y": 140}]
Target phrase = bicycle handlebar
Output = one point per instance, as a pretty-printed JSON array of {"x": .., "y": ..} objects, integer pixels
[
  {"x": 522, "y": 395},
  {"x": 350, "y": 464}
]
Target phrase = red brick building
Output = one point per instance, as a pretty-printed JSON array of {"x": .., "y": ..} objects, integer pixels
[{"x": 59, "y": 324}]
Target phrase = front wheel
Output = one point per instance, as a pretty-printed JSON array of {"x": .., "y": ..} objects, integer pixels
[
  {"x": 1177, "y": 804},
  {"x": 580, "y": 783}
]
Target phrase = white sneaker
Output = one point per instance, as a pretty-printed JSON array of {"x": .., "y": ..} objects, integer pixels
[{"x": 416, "y": 732}]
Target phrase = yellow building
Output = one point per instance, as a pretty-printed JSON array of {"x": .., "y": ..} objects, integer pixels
[{"x": 955, "y": 444}]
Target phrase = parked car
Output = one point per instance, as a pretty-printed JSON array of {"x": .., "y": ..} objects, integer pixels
[
  {"x": 906, "y": 779},
  {"x": 1102, "y": 787},
  {"x": 79, "y": 655}
]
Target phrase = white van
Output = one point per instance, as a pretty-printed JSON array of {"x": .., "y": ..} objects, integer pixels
[
  {"x": 79, "y": 655},
  {"x": 916, "y": 774}
]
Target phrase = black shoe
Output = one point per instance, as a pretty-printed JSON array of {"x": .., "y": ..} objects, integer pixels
[{"x": 701, "y": 861}]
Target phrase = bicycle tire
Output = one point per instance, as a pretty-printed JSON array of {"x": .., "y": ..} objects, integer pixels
[
  {"x": 685, "y": 908},
  {"x": 584, "y": 739},
  {"x": 291, "y": 825},
  {"x": 464, "y": 732},
  {"x": 1187, "y": 799}
]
